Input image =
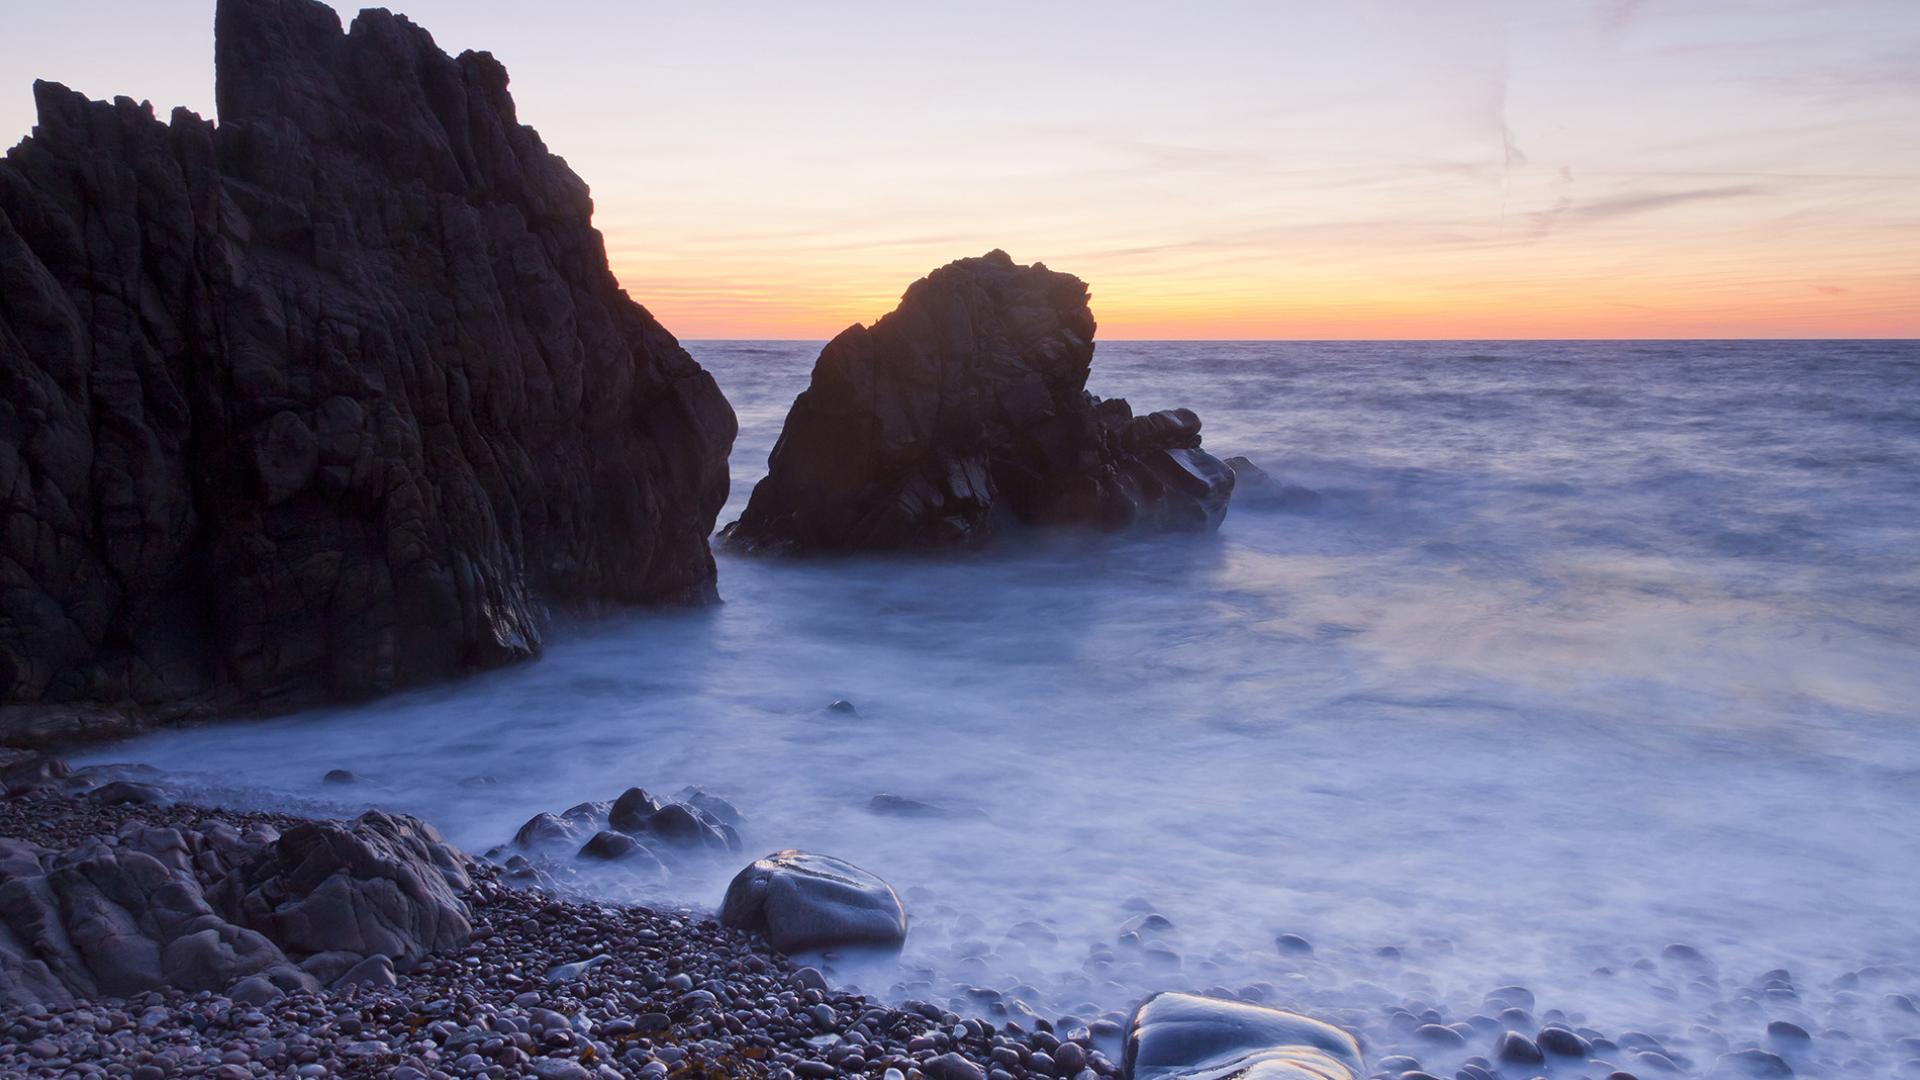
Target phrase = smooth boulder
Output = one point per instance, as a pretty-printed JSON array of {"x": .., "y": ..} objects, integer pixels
[
  {"x": 1180, "y": 1036},
  {"x": 964, "y": 413},
  {"x": 805, "y": 901}
]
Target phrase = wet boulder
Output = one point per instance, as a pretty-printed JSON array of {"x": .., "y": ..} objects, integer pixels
[
  {"x": 544, "y": 830},
  {"x": 1179, "y": 1036},
  {"x": 805, "y": 901},
  {"x": 632, "y": 810},
  {"x": 965, "y": 412}
]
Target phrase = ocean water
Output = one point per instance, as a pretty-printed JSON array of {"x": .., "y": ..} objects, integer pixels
[{"x": 1581, "y": 650}]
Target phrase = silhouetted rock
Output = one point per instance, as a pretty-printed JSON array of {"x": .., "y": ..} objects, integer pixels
[
  {"x": 333, "y": 398},
  {"x": 966, "y": 410},
  {"x": 1173, "y": 1036},
  {"x": 805, "y": 901}
]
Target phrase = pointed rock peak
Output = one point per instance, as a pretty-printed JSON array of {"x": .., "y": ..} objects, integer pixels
[{"x": 266, "y": 53}]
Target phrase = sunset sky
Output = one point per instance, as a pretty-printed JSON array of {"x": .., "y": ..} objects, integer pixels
[{"x": 1665, "y": 168}]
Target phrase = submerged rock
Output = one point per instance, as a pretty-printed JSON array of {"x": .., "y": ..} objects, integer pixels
[
  {"x": 333, "y": 398},
  {"x": 1255, "y": 488},
  {"x": 805, "y": 901},
  {"x": 964, "y": 411},
  {"x": 1179, "y": 1036}
]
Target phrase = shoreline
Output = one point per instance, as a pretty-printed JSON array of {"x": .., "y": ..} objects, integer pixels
[{"x": 639, "y": 992}]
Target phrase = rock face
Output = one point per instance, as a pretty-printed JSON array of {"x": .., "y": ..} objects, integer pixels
[
  {"x": 1176, "y": 1036},
  {"x": 202, "y": 909},
  {"x": 805, "y": 901},
  {"x": 965, "y": 411},
  {"x": 336, "y": 397}
]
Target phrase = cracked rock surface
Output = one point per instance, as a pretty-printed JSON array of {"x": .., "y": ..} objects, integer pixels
[{"x": 332, "y": 398}]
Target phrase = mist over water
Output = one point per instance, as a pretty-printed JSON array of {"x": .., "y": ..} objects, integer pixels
[{"x": 1582, "y": 650}]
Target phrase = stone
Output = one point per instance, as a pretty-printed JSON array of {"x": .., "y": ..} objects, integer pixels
[
  {"x": 713, "y": 806},
  {"x": 255, "y": 990},
  {"x": 1759, "y": 1064},
  {"x": 545, "y": 829},
  {"x": 1519, "y": 1049},
  {"x": 952, "y": 1067},
  {"x": 375, "y": 970},
  {"x": 888, "y": 805},
  {"x": 1439, "y": 1035},
  {"x": 339, "y": 776},
  {"x": 632, "y": 810},
  {"x": 335, "y": 397},
  {"x": 609, "y": 845},
  {"x": 1559, "y": 1040},
  {"x": 805, "y": 901},
  {"x": 128, "y": 791},
  {"x": 682, "y": 825},
  {"x": 1785, "y": 1033},
  {"x": 384, "y": 884},
  {"x": 1293, "y": 943},
  {"x": 1180, "y": 1036},
  {"x": 563, "y": 973},
  {"x": 964, "y": 412}
]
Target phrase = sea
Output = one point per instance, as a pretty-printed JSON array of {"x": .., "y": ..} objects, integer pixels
[{"x": 1564, "y": 654}]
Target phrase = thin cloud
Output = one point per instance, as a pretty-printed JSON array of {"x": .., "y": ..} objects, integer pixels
[{"x": 1620, "y": 206}]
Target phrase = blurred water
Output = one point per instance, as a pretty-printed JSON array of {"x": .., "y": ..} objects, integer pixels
[{"x": 1587, "y": 648}]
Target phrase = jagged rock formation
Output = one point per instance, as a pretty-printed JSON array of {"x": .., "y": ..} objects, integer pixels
[
  {"x": 965, "y": 410},
  {"x": 335, "y": 397},
  {"x": 202, "y": 908}
]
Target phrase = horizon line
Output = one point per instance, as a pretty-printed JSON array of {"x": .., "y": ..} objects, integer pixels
[{"x": 1394, "y": 340}]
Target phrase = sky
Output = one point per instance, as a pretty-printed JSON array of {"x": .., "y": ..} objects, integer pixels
[{"x": 1367, "y": 169}]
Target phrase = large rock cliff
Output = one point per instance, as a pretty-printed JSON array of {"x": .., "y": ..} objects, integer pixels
[
  {"x": 965, "y": 411},
  {"x": 336, "y": 396}
]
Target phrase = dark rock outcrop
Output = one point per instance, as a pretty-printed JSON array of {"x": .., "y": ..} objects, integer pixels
[
  {"x": 805, "y": 901},
  {"x": 207, "y": 908},
  {"x": 963, "y": 411},
  {"x": 333, "y": 398},
  {"x": 1178, "y": 1036}
]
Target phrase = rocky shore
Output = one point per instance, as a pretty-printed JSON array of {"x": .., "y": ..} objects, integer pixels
[
  {"x": 540, "y": 986},
  {"x": 141, "y": 936}
]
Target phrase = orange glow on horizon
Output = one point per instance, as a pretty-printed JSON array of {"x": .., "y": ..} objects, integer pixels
[{"x": 1776, "y": 304}]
